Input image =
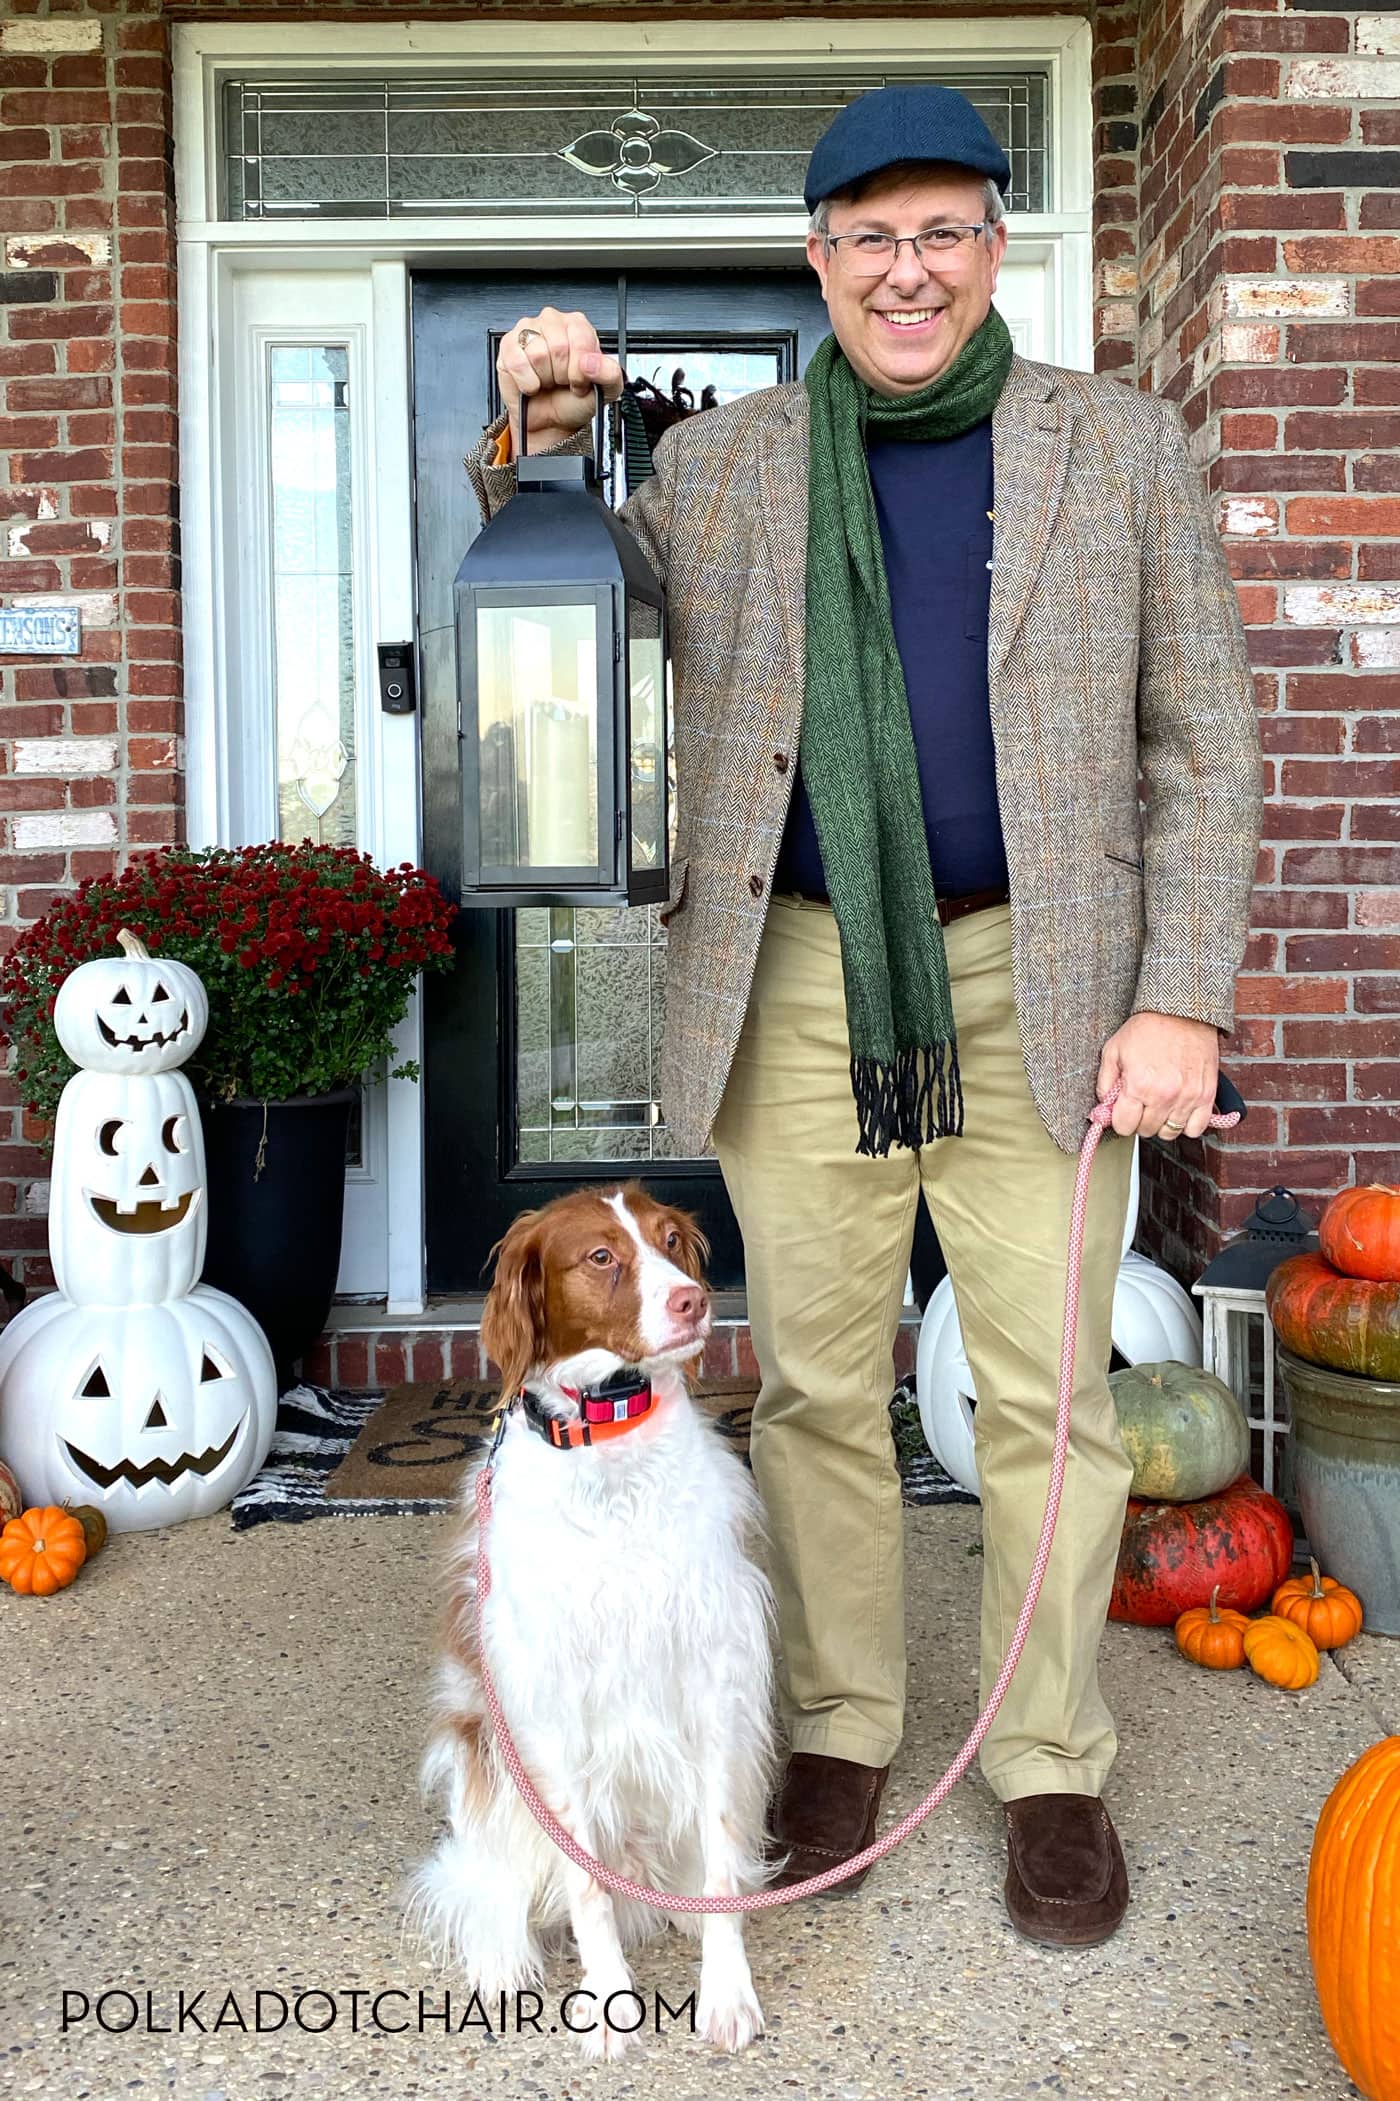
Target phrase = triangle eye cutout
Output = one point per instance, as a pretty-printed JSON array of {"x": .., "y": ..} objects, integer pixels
[
  {"x": 121, "y": 997},
  {"x": 212, "y": 1369},
  {"x": 157, "y": 1419},
  {"x": 95, "y": 1387}
]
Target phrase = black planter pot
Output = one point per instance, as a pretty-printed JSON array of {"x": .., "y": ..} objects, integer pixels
[{"x": 275, "y": 1225}]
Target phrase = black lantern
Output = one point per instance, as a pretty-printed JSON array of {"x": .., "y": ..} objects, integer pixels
[{"x": 561, "y": 678}]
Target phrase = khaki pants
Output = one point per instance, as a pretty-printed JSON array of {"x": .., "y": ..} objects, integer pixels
[{"x": 827, "y": 1240}]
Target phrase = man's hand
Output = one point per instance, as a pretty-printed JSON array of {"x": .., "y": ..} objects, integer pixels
[
  {"x": 1167, "y": 1068},
  {"x": 554, "y": 360}
]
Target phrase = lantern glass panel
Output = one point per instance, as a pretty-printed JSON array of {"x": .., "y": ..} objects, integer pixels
[
  {"x": 647, "y": 670},
  {"x": 538, "y": 730}
]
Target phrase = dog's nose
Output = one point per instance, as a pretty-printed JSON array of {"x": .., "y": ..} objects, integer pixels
[{"x": 687, "y": 1302}]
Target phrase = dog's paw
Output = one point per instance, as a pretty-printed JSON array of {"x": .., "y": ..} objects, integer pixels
[
  {"x": 599, "y": 2041},
  {"x": 730, "y": 2019}
]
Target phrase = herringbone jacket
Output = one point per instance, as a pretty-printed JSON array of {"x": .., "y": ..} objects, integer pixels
[{"x": 1115, "y": 654}]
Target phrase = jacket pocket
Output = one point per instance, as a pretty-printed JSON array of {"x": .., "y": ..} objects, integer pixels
[
  {"x": 676, "y": 895},
  {"x": 1138, "y": 865}
]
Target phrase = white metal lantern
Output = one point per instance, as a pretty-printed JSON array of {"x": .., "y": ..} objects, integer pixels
[
  {"x": 1238, "y": 1338},
  {"x": 561, "y": 674}
]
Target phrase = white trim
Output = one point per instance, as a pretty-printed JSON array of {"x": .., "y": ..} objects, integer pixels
[{"x": 217, "y": 257}]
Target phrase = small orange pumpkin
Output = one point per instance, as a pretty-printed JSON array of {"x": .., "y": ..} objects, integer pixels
[
  {"x": 1280, "y": 1653},
  {"x": 1211, "y": 1637},
  {"x": 42, "y": 1551},
  {"x": 1328, "y": 1613}
]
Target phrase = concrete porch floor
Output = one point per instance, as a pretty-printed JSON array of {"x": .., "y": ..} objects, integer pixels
[{"x": 210, "y": 1744}]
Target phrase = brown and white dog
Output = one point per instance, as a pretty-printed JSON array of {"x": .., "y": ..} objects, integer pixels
[{"x": 628, "y": 1631}]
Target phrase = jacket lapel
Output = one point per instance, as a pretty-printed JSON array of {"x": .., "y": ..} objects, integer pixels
[
  {"x": 782, "y": 475},
  {"x": 1030, "y": 452}
]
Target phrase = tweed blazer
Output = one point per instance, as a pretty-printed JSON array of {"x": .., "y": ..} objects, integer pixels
[{"x": 1122, "y": 711}]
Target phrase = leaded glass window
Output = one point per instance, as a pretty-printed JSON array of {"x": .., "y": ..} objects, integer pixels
[{"x": 409, "y": 147}]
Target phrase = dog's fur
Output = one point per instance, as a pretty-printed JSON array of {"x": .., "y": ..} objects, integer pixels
[{"x": 629, "y": 1633}]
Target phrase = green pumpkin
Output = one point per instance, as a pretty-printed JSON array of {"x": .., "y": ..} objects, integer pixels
[{"x": 1182, "y": 1428}]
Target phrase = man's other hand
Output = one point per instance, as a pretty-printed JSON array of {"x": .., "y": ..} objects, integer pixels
[{"x": 1167, "y": 1069}]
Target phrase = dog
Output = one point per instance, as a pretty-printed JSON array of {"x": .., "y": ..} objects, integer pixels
[{"x": 629, "y": 1634}]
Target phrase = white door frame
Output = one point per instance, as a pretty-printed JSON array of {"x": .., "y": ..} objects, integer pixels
[{"x": 220, "y": 259}]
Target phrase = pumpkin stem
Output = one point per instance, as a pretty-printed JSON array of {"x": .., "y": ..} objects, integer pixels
[
  {"x": 1214, "y": 1615},
  {"x": 1317, "y": 1589},
  {"x": 132, "y": 945}
]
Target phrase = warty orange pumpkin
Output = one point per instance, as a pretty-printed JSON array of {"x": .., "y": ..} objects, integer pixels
[
  {"x": 1328, "y": 1613},
  {"x": 1354, "y": 1919},
  {"x": 42, "y": 1551}
]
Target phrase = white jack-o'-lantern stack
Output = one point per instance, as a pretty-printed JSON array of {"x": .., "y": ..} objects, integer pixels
[{"x": 133, "y": 1386}]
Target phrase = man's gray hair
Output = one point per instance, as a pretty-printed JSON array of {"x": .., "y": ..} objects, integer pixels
[{"x": 993, "y": 210}]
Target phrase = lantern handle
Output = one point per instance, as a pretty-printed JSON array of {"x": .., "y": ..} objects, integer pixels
[{"x": 597, "y": 430}]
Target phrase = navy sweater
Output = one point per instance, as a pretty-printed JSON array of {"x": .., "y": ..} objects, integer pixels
[{"x": 932, "y": 501}]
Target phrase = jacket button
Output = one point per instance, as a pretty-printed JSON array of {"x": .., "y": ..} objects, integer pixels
[
  {"x": 780, "y": 760},
  {"x": 756, "y": 885}
]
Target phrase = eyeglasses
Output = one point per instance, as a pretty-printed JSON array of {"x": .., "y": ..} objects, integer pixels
[{"x": 872, "y": 254}]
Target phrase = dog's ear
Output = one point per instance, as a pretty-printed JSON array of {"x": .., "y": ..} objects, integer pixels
[
  {"x": 513, "y": 1318},
  {"x": 694, "y": 1251}
]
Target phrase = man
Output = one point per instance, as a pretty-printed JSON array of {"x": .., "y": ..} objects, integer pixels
[{"x": 934, "y": 611}]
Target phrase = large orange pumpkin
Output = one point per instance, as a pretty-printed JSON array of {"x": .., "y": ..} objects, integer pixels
[
  {"x": 1354, "y": 1920},
  {"x": 1343, "y": 1322},
  {"x": 1359, "y": 1232}
]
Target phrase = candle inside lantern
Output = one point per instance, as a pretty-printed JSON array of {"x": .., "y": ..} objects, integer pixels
[{"x": 563, "y": 816}]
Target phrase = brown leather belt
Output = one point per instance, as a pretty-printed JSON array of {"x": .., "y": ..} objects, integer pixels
[{"x": 949, "y": 908}]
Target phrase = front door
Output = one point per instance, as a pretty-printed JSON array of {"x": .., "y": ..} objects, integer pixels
[{"x": 541, "y": 1048}]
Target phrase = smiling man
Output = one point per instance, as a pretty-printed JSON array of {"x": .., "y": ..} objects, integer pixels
[{"x": 980, "y": 601}]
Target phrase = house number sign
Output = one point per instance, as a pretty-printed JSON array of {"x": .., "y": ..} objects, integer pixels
[{"x": 40, "y": 631}]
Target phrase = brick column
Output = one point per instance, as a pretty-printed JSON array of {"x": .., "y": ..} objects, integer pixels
[
  {"x": 1269, "y": 291},
  {"x": 90, "y": 751}
]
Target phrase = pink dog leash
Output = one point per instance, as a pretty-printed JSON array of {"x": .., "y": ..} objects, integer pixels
[{"x": 764, "y": 1900}]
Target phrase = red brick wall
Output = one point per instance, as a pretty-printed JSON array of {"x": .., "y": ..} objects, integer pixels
[
  {"x": 1226, "y": 156},
  {"x": 1267, "y": 305}
]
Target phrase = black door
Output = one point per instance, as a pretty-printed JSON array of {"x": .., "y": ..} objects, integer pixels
[{"x": 541, "y": 1047}]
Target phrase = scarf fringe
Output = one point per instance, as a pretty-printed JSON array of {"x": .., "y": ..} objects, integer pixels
[{"x": 909, "y": 1102}]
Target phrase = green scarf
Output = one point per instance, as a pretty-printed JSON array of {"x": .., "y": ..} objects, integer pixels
[{"x": 856, "y": 751}]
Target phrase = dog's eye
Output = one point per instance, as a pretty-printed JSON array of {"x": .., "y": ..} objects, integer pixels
[
  {"x": 601, "y": 1255},
  {"x": 673, "y": 1240}
]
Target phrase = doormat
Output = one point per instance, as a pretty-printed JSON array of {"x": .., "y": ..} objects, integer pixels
[
  {"x": 422, "y": 1438},
  {"x": 318, "y": 1431}
]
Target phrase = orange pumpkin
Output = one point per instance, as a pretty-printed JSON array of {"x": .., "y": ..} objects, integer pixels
[
  {"x": 42, "y": 1551},
  {"x": 1211, "y": 1637},
  {"x": 1280, "y": 1652},
  {"x": 1354, "y": 1919},
  {"x": 1359, "y": 1232},
  {"x": 1328, "y": 1613}
]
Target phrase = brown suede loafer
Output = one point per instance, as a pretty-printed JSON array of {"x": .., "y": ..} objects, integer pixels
[
  {"x": 1066, "y": 1879},
  {"x": 824, "y": 1814}
]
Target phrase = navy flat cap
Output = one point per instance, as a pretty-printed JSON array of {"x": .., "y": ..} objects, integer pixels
[{"x": 920, "y": 122}]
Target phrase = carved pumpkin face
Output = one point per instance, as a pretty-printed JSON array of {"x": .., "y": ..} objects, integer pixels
[
  {"x": 127, "y": 1223},
  {"x": 133, "y": 1013},
  {"x": 153, "y": 1413}
]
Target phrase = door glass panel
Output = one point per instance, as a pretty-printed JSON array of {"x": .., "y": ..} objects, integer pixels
[
  {"x": 312, "y": 592},
  {"x": 591, "y": 983},
  {"x": 538, "y": 715}
]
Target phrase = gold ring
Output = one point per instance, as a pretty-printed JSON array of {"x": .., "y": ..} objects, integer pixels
[
  {"x": 1168, "y": 1125},
  {"x": 522, "y": 333}
]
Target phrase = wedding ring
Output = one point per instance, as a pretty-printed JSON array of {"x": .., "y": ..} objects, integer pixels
[
  {"x": 1168, "y": 1125},
  {"x": 522, "y": 336}
]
